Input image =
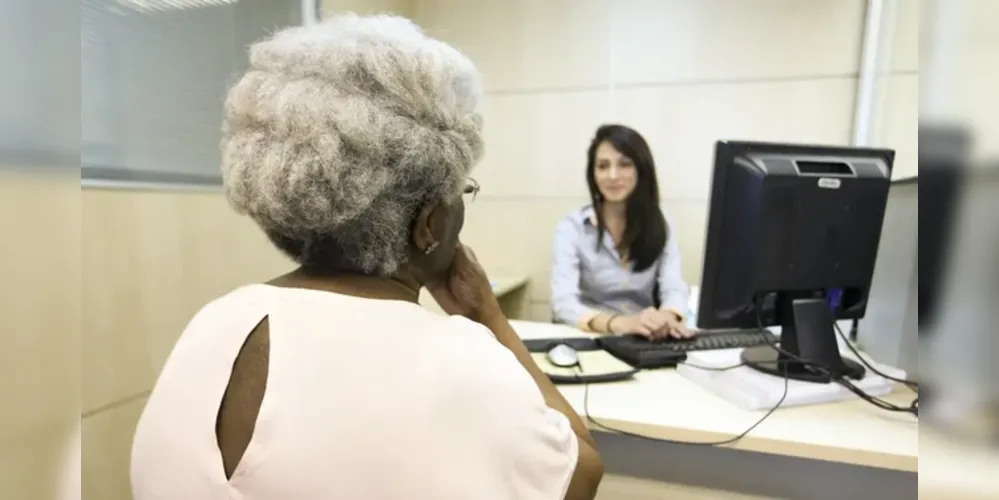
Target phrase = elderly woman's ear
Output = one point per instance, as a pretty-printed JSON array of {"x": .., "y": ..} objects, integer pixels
[
  {"x": 435, "y": 236},
  {"x": 426, "y": 231}
]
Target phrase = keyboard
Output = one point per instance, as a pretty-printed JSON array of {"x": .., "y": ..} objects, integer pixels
[{"x": 640, "y": 352}]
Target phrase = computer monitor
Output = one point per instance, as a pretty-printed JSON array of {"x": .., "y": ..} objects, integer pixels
[{"x": 792, "y": 238}]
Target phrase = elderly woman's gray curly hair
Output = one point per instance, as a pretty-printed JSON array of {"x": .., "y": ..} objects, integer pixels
[{"x": 342, "y": 130}]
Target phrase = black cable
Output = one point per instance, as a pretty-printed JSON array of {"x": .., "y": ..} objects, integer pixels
[
  {"x": 606, "y": 428},
  {"x": 912, "y": 386},
  {"x": 913, "y": 408},
  {"x": 874, "y": 400},
  {"x": 847, "y": 384},
  {"x": 908, "y": 383}
]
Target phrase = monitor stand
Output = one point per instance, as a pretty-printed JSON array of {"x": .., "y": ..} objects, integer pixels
[{"x": 806, "y": 332}]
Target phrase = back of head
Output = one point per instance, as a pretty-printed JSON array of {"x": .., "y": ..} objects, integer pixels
[{"x": 341, "y": 131}]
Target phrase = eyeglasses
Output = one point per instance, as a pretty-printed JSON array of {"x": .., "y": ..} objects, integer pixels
[{"x": 471, "y": 190}]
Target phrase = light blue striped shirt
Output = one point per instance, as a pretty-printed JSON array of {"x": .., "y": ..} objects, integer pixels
[{"x": 586, "y": 282}]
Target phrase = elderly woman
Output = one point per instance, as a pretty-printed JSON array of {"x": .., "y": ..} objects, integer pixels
[{"x": 350, "y": 143}]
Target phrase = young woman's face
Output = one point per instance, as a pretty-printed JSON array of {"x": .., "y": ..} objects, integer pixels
[{"x": 615, "y": 173}]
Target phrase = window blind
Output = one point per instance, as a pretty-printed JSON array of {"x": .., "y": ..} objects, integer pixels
[
  {"x": 39, "y": 85},
  {"x": 153, "y": 81}
]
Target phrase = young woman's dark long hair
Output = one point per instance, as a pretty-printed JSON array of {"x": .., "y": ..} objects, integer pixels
[{"x": 645, "y": 230}]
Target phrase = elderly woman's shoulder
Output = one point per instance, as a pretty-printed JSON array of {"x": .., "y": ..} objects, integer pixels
[
  {"x": 486, "y": 367},
  {"x": 242, "y": 297}
]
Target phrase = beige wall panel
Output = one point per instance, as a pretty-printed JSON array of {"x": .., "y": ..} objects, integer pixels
[
  {"x": 40, "y": 302},
  {"x": 536, "y": 143},
  {"x": 900, "y": 122},
  {"x": 697, "y": 40},
  {"x": 526, "y": 44},
  {"x": 107, "y": 451},
  {"x": 682, "y": 123},
  {"x": 399, "y": 7},
  {"x": 905, "y": 36},
  {"x": 151, "y": 260}
]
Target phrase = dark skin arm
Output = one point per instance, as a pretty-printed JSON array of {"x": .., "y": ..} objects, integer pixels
[
  {"x": 467, "y": 292},
  {"x": 589, "y": 467}
]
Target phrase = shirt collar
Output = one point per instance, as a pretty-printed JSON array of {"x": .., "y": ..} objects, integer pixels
[{"x": 589, "y": 215}]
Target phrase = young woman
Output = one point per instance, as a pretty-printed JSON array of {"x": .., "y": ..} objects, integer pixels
[{"x": 616, "y": 263}]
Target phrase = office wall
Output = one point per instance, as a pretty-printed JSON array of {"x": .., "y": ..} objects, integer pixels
[
  {"x": 683, "y": 72},
  {"x": 888, "y": 332},
  {"x": 150, "y": 260},
  {"x": 976, "y": 74},
  {"x": 896, "y": 120},
  {"x": 39, "y": 341},
  {"x": 398, "y": 7}
]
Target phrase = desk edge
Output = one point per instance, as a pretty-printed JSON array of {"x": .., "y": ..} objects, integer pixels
[{"x": 864, "y": 458}]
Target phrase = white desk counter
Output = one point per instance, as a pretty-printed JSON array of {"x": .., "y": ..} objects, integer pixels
[
  {"x": 662, "y": 404},
  {"x": 506, "y": 285}
]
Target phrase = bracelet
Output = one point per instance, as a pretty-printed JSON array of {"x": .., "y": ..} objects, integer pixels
[{"x": 609, "y": 320}]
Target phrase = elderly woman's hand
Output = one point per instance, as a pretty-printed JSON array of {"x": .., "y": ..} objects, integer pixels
[{"x": 466, "y": 290}]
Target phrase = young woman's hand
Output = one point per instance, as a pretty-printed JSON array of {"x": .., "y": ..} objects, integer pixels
[
  {"x": 651, "y": 323},
  {"x": 466, "y": 290},
  {"x": 672, "y": 327},
  {"x": 655, "y": 320},
  {"x": 632, "y": 323}
]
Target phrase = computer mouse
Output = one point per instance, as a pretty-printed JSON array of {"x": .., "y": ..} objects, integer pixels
[{"x": 563, "y": 356}]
